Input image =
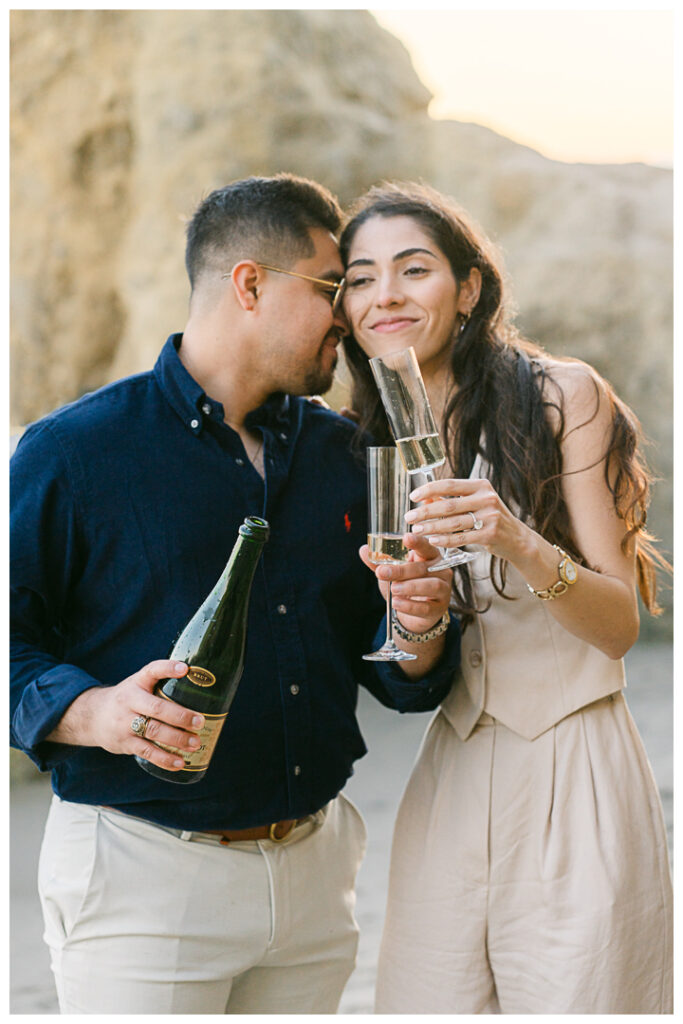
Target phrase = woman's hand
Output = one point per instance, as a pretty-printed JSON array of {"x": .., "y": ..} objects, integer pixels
[
  {"x": 350, "y": 414},
  {"x": 601, "y": 608},
  {"x": 419, "y": 597},
  {"x": 459, "y": 512}
]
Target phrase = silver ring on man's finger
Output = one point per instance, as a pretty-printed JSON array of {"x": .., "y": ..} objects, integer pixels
[
  {"x": 139, "y": 725},
  {"x": 476, "y": 523}
]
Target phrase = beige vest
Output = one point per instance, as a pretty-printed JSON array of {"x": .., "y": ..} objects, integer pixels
[{"x": 519, "y": 664}]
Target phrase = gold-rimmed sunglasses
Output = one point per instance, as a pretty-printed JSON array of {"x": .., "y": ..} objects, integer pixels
[{"x": 335, "y": 288}]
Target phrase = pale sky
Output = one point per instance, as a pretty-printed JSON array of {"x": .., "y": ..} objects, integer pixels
[{"x": 585, "y": 85}]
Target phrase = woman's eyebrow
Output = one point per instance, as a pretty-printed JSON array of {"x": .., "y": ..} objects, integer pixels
[
  {"x": 399, "y": 256},
  {"x": 411, "y": 252}
]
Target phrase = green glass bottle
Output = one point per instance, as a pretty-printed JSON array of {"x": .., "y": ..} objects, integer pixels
[{"x": 212, "y": 644}]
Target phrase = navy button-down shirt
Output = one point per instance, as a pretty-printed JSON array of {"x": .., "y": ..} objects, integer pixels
[{"x": 125, "y": 507}]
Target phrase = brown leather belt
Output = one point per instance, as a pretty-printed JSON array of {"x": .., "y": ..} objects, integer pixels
[{"x": 276, "y": 832}]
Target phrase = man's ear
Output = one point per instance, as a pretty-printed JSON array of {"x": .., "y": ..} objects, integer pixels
[{"x": 245, "y": 277}]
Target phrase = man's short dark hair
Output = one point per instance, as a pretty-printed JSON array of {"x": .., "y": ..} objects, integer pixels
[{"x": 262, "y": 219}]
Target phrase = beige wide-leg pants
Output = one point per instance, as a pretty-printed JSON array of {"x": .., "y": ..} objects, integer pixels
[
  {"x": 141, "y": 919},
  {"x": 530, "y": 877}
]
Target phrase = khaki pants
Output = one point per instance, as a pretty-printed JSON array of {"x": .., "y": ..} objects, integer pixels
[
  {"x": 530, "y": 877},
  {"x": 142, "y": 919}
]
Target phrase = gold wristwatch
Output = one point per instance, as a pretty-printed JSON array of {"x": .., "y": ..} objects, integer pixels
[{"x": 568, "y": 574}]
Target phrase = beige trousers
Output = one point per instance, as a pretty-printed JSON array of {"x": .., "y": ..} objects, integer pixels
[
  {"x": 140, "y": 920},
  {"x": 530, "y": 877}
]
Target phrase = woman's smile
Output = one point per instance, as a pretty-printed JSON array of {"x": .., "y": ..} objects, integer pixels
[{"x": 389, "y": 324}]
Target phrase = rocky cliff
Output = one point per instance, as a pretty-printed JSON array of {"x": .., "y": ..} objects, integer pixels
[{"x": 122, "y": 120}]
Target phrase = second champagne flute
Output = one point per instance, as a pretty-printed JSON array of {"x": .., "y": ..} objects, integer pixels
[
  {"x": 388, "y": 502},
  {"x": 410, "y": 416}
]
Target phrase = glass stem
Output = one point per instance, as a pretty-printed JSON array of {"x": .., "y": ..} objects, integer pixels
[{"x": 390, "y": 630}]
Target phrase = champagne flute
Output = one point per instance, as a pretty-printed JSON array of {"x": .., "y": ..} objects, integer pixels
[
  {"x": 405, "y": 402},
  {"x": 388, "y": 502}
]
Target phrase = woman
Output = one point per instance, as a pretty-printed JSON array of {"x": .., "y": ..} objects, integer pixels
[{"x": 529, "y": 867}]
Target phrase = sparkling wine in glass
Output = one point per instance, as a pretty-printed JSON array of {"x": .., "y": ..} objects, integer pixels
[
  {"x": 388, "y": 502},
  {"x": 410, "y": 416}
]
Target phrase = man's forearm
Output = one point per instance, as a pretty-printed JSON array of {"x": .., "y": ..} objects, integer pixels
[
  {"x": 428, "y": 655},
  {"x": 75, "y": 727}
]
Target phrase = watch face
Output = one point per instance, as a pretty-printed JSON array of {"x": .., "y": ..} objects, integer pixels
[{"x": 568, "y": 571}]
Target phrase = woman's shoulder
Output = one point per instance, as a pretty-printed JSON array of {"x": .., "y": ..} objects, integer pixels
[
  {"x": 569, "y": 372},
  {"x": 575, "y": 389}
]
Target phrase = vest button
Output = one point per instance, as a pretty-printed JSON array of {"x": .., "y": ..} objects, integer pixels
[{"x": 475, "y": 659}]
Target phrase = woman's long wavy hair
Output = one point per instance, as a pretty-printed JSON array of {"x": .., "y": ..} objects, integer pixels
[{"x": 499, "y": 405}]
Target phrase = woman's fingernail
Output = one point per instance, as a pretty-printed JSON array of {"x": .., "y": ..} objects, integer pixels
[
  {"x": 197, "y": 721},
  {"x": 419, "y": 528},
  {"x": 180, "y": 666},
  {"x": 409, "y": 516},
  {"x": 414, "y": 495},
  {"x": 434, "y": 540},
  {"x": 178, "y": 763}
]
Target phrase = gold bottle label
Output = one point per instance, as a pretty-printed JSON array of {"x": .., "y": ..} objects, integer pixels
[
  {"x": 200, "y": 676},
  {"x": 197, "y": 760}
]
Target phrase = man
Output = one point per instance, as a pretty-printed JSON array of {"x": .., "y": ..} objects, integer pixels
[{"x": 235, "y": 894}]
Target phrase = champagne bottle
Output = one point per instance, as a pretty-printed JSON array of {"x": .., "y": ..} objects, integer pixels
[{"x": 212, "y": 644}]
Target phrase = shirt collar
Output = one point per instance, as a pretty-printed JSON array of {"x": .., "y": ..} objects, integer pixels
[
  {"x": 191, "y": 402},
  {"x": 275, "y": 412},
  {"x": 181, "y": 390}
]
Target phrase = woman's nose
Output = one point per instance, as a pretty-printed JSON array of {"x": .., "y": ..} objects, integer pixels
[{"x": 388, "y": 292}]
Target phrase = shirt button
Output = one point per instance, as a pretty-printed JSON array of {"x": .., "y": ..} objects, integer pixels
[
  {"x": 240, "y": 462},
  {"x": 283, "y": 437},
  {"x": 282, "y": 609},
  {"x": 206, "y": 409},
  {"x": 475, "y": 658},
  {"x": 297, "y": 769},
  {"x": 294, "y": 689},
  {"x": 194, "y": 424}
]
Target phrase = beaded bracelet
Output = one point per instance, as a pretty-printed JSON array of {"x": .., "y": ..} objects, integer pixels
[{"x": 421, "y": 638}]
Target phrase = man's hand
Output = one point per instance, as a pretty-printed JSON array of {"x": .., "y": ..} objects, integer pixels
[
  {"x": 419, "y": 597},
  {"x": 101, "y": 717}
]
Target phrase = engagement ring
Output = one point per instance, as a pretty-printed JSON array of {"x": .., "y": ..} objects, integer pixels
[{"x": 476, "y": 523}]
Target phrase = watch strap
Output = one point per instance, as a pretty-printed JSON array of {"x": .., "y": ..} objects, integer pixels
[{"x": 559, "y": 587}]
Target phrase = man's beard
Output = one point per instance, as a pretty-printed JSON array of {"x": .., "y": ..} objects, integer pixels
[{"x": 319, "y": 381}]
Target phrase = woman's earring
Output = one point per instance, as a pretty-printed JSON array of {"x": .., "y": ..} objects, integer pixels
[{"x": 465, "y": 319}]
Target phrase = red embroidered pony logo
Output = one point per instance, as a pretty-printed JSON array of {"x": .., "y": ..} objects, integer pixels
[{"x": 347, "y": 522}]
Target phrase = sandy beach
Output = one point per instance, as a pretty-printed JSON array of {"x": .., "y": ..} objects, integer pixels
[{"x": 375, "y": 788}]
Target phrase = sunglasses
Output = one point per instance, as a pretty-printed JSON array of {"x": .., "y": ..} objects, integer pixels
[{"x": 335, "y": 288}]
